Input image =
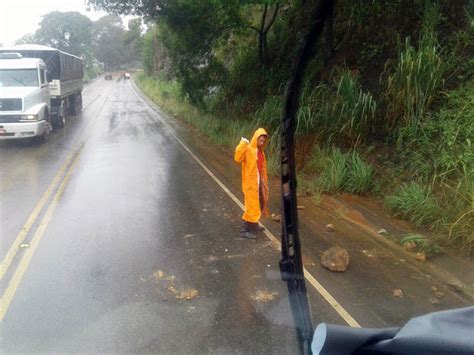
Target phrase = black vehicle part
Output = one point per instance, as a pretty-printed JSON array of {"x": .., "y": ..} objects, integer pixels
[
  {"x": 58, "y": 113},
  {"x": 291, "y": 265},
  {"x": 444, "y": 332}
]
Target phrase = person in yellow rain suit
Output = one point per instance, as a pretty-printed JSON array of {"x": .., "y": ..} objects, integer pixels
[{"x": 254, "y": 181}]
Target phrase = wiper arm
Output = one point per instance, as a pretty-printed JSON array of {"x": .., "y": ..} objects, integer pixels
[{"x": 291, "y": 264}]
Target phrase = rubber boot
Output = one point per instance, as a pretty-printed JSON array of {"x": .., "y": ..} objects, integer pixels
[
  {"x": 259, "y": 228},
  {"x": 255, "y": 227},
  {"x": 246, "y": 231}
]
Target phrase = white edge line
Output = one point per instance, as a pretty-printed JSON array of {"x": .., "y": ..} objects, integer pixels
[{"x": 310, "y": 278}]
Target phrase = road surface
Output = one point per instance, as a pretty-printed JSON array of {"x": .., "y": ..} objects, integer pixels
[{"x": 114, "y": 239}]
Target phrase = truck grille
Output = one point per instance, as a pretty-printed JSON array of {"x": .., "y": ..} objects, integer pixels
[
  {"x": 9, "y": 118},
  {"x": 10, "y": 105}
]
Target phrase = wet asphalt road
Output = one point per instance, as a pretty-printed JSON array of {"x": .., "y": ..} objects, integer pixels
[{"x": 137, "y": 251}]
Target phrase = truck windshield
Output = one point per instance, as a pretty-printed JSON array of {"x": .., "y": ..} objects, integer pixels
[{"x": 18, "y": 77}]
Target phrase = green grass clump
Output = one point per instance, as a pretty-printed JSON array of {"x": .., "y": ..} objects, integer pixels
[
  {"x": 341, "y": 171},
  {"x": 334, "y": 173},
  {"x": 359, "y": 175},
  {"x": 414, "y": 202}
]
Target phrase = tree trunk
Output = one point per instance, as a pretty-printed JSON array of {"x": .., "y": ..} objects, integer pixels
[
  {"x": 262, "y": 37},
  {"x": 329, "y": 35}
]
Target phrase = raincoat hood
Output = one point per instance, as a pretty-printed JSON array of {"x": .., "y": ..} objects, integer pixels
[{"x": 259, "y": 132}]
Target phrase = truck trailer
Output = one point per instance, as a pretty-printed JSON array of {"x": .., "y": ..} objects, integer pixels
[{"x": 39, "y": 88}]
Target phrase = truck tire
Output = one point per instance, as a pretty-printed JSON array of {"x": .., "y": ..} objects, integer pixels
[
  {"x": 72, "y": 105},
  {"x": 59, "y": 120},
  {"x": 79, "y": 102}
]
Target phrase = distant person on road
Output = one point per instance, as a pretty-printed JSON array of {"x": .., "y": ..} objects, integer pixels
[{"x": 254, "y": 181}]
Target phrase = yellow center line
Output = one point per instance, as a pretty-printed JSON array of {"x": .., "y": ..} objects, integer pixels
[
  {"x": 7, "y": 260},
  {"x": 12, "y": 252},
  {"x": 26, "y": 259}
]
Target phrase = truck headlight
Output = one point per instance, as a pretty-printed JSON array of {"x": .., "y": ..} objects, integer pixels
[{"x": 29, "y": 118}]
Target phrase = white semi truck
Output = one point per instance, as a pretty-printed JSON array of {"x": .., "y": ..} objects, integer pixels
[{"x": 39, "y": 88}]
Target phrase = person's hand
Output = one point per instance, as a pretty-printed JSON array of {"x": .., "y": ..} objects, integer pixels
[{"x": 245, "y": 140}]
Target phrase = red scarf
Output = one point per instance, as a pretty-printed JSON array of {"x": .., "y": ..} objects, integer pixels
[{"x": 260, "y": 161}]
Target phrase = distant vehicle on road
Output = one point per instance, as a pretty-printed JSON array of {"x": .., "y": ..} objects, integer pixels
[
  {"x": 39, "y": 87},
  {"x": 126, "y": 75},
  {"x": 108, "y": 76}
]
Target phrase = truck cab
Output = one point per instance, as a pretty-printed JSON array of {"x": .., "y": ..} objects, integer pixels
[
  {"x": 40, "y": 87},
  {"x": 25, "y": 102}
]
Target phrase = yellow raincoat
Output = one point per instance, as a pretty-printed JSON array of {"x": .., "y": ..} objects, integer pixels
[{"x": 246, "y": 153}]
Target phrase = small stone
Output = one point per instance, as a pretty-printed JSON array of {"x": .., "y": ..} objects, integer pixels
[
  {"x": 420, "y": 257},
  {"x": 382, "y": 231},
  {"x": 434, "y": 288},
  {"x": 439, "y": 294},
  {"x": 226, "y": 250},
  {"x": 300, "y": 207},
  {"x": 398, "y": 293},
  {"x": 434, "y": 300},
  {"x": 335, "y": 259},
  {"x": 367, "y": 253},
  {"x": 276, "y": 217},
  {"x": 409, "y": 246},
  {"x": 330, "y": 227}
]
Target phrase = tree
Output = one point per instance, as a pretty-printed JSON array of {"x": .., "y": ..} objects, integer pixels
[
  {"x": 133, "y": 38},
  {"x": 155, "y": 58},
  {"x": 108, "y": 41},
  {"x": 66, "y": 31},
  {"x": 28, "y": 38},
  {"x": 267, "y": 20}
]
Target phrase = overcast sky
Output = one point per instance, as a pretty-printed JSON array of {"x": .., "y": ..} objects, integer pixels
[{"x": 19, "y": 17}]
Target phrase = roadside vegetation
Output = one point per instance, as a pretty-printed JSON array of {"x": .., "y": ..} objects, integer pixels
[{"x": 387, "y": 109}]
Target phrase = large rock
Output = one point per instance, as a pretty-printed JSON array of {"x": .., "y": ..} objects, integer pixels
[{"x": 335, "y": 259}]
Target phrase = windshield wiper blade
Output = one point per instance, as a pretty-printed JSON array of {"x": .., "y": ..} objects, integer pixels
[{"x": 291, "y": 264}]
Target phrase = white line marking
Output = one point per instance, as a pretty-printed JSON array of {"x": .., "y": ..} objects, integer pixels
[{"x": 310, "y": 278}]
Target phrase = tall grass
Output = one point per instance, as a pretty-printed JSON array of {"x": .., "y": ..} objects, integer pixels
[
  {"x": 359, "y": 175},
  {"x": 416, "y": 203},
  {"x": 440, "y": 156},
  {"x": 333, "y": 176},
  {"x": 341, "y": 171},
  {"x": 339, "y": 111},
  {"x": 413, "y": 85}
]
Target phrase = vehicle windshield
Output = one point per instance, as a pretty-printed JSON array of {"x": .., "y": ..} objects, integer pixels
[
  {"x": 19, "y": 77},
  {"x": 222, "y": 177}
]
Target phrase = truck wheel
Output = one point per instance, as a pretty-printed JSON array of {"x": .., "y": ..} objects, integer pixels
[
  {"x": 60, "y": 119},
  {"x": 72, "y": 105},
  {"x": 79, "y": 102}
]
